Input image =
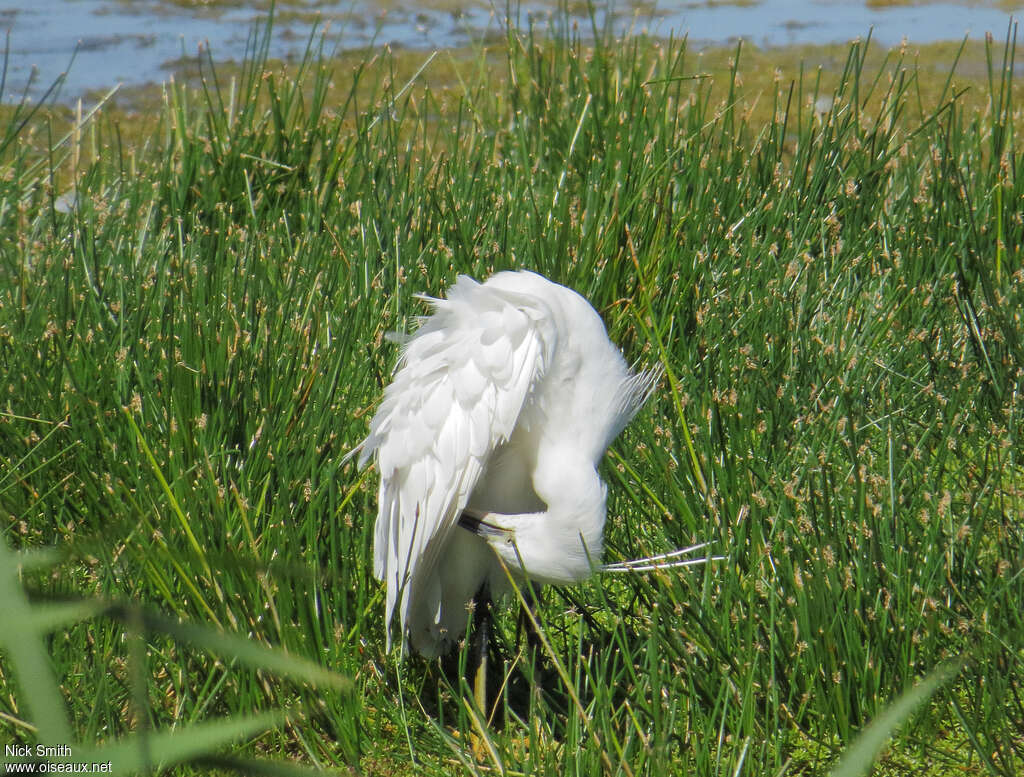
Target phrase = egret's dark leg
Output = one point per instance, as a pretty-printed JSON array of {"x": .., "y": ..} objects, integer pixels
[
  {"x": 528, "y": 623},
  {"x": 480, "y": 646}
]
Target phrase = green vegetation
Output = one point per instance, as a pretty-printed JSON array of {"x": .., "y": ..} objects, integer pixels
[{"x": 192, "y": 337}]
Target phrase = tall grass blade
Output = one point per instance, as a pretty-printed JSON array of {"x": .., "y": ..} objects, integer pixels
[{"x": 860, "y": 757}]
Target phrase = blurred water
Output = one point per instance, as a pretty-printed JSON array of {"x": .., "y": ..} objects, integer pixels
[{"x": 137, "y": 41}]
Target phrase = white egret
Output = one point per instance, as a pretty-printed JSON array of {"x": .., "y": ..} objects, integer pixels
[{"x": 487, "y": 442}]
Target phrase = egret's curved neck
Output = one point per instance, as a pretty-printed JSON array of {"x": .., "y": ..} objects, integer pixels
[{"x": 562, "y": 544}]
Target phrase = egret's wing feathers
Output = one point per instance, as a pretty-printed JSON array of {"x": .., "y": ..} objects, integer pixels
[{"x": 460, "y": 385}]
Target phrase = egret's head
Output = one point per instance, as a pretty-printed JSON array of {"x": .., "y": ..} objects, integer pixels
[{"x": 543, "y": 549}]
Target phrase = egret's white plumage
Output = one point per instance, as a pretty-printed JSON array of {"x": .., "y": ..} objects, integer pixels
[{"x": 501, "y": 407}]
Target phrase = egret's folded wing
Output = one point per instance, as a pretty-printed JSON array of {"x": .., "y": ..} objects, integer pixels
[{"x": 460, "y": 385}]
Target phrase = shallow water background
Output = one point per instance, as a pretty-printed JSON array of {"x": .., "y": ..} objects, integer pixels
[{"x": 100, "y": 43}]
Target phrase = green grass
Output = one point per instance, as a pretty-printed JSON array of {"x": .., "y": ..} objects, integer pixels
[{"x": 188, "y": 352}]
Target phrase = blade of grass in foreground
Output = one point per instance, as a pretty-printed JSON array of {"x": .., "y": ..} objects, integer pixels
[
  {"x": 28, "y": 623},
  {"x": 30, "y": 662},
  {"x": 860, "y": 756},
  {"x": 235, "y": 647},
  {"x": 145, "y": 751}
]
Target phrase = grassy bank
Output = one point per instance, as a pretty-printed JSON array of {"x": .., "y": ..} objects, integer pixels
[{"x": 192, "y": 337}]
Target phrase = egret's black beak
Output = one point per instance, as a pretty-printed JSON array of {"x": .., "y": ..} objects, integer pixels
[{"x": 472, "y": 521}]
